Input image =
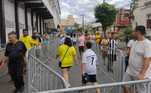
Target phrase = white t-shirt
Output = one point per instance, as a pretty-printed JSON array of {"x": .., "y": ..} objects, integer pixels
[
  {"x": 89, "y": 58},
  {"x": 74, "y": 39},
  {"x": 61, "y": 40},
  {"x": 139, "y": 50},
  {"x": 130, "y": 43},
  {"x": 148, "y": 73}
]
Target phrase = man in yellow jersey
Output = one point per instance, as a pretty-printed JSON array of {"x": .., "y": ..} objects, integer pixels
[
  {"x": 26, "y": 39},
  {"x": 34, "y": 40},
  {"x": 66, "y": 53},
  {"x": 98, "y": 37}
]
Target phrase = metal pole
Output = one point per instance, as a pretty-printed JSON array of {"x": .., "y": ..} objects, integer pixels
[
  {"x": 83, "y": 23},
  {"x": 148, "y": 87}
]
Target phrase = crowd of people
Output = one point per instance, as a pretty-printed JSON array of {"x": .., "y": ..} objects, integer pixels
[
  {"x": 82, "y": 43},
  {"x": 137, "y": 61},
  {"x": 15, "y": 55}
]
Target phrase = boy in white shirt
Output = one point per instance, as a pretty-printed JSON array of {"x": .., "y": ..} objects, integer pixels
[{"x": 88, "y": 67}]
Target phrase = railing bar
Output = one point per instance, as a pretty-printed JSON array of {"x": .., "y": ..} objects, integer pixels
[
  {"x": 51, "y": 70},
  {"x": 96, "y": 86}
]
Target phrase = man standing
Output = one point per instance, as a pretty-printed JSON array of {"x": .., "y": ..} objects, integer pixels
[
  {"x": 15, "y": 53},
  {"x": 88, "y": 66},
  {"x": 139, "y": 60},
  {"x": 112, "y": 46},
  {"x": 81, "y": 41}
]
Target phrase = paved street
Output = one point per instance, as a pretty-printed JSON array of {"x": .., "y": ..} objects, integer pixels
[
  {"x": 103, "y": 75},
  {"x": 75, "y": 76},
  {"x": 5, "y": 85}
]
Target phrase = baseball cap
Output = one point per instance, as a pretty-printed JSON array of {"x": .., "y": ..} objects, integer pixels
[{"x": 141, "y": 29}]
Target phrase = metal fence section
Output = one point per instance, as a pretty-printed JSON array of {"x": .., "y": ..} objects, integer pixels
[
  {"x": 140, "y": 86},
  {"x": 40, "y": 76},
  {"x": 119, "y": 66}
]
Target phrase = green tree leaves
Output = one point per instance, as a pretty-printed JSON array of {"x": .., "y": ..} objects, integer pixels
[{"x": 105, "y": 14}]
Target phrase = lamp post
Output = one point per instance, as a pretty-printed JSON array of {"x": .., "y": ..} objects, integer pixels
[{"x": 83, "y": 23}]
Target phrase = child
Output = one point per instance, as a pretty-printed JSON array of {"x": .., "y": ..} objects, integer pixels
[{"x": 88, "y": 67}]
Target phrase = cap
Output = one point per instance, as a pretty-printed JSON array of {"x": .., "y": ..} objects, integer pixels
[{"x": 141, "y": 29}]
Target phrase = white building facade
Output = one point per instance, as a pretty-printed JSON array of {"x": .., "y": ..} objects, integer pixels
[
  {"x": 142, "y": 15},
  {"x": 33, "y": 15}
]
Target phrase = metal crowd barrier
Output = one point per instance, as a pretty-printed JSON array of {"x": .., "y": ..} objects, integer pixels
[
  {"x": 40, "y": 76},
  {"x": 140, "y": 86},
  {"x": 119, "y": 66}
]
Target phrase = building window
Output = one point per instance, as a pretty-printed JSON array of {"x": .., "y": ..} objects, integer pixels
[{"x": 149, "y": 22}]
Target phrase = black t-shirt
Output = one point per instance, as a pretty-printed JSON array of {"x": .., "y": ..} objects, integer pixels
[{"x": 15, "y": 51}]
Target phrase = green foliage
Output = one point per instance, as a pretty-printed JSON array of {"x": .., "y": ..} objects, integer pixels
[
  {"x": 105, "y": 14},
  {"x": 125, "y": 33}
]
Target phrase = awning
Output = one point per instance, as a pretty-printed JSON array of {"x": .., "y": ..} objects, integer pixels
[{"x": 38, "y": 7}]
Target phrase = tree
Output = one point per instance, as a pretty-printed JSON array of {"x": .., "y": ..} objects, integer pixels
[
  {"x": 105, "y": 14},
  {"x": 125, "y": 34}
]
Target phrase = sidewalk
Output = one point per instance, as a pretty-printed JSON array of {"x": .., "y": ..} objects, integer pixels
[{"x": 5, "y": 85}]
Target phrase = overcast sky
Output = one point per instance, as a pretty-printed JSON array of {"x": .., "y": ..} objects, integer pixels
[{"x": 86, "y": 8}]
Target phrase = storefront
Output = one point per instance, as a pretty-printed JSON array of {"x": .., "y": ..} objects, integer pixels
[{"x": 16, "y": 15}]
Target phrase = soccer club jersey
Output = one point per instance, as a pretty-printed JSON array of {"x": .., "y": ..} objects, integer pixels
[
  {"x": 112, "y": 47},
  {"x": 89, "y": 58}
]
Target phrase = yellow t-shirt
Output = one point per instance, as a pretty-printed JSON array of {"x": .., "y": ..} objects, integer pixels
[
  {"x": 34, "y": 42},
  {"x": 69, "y": 57},
  {"x": 98, "y": 39},
  {"x": 26, "y": 40}
]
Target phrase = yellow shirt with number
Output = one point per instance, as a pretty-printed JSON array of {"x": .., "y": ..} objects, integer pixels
[
  {"x": 68, "y": 58},
  {"x": 26, "y": 40}
]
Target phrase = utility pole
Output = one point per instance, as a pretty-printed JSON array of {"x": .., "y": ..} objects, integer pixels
[{"x": 83, "y": 23}]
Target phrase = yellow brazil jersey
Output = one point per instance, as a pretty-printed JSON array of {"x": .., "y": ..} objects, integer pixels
[
  {"x": 26, "y": 40},
  {"x": 34, "y": 42},
  {"x": 98, "y": 39},
  {"x": 67, "y": 60}
]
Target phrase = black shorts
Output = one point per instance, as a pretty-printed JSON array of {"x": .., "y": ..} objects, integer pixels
[
  {"x": 81, "y": 48},
  {"x": 66, "y": 67},
  {"x": 112, "y": 57},
  {"x": 88, "y": 78},
  {"x": 60, "y": 65}
]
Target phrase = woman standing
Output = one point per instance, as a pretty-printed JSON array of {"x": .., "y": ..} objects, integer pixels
[{"x": 67, "y": 55}]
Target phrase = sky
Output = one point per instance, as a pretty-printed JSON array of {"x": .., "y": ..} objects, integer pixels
[{"x": 77, "y": 8}]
